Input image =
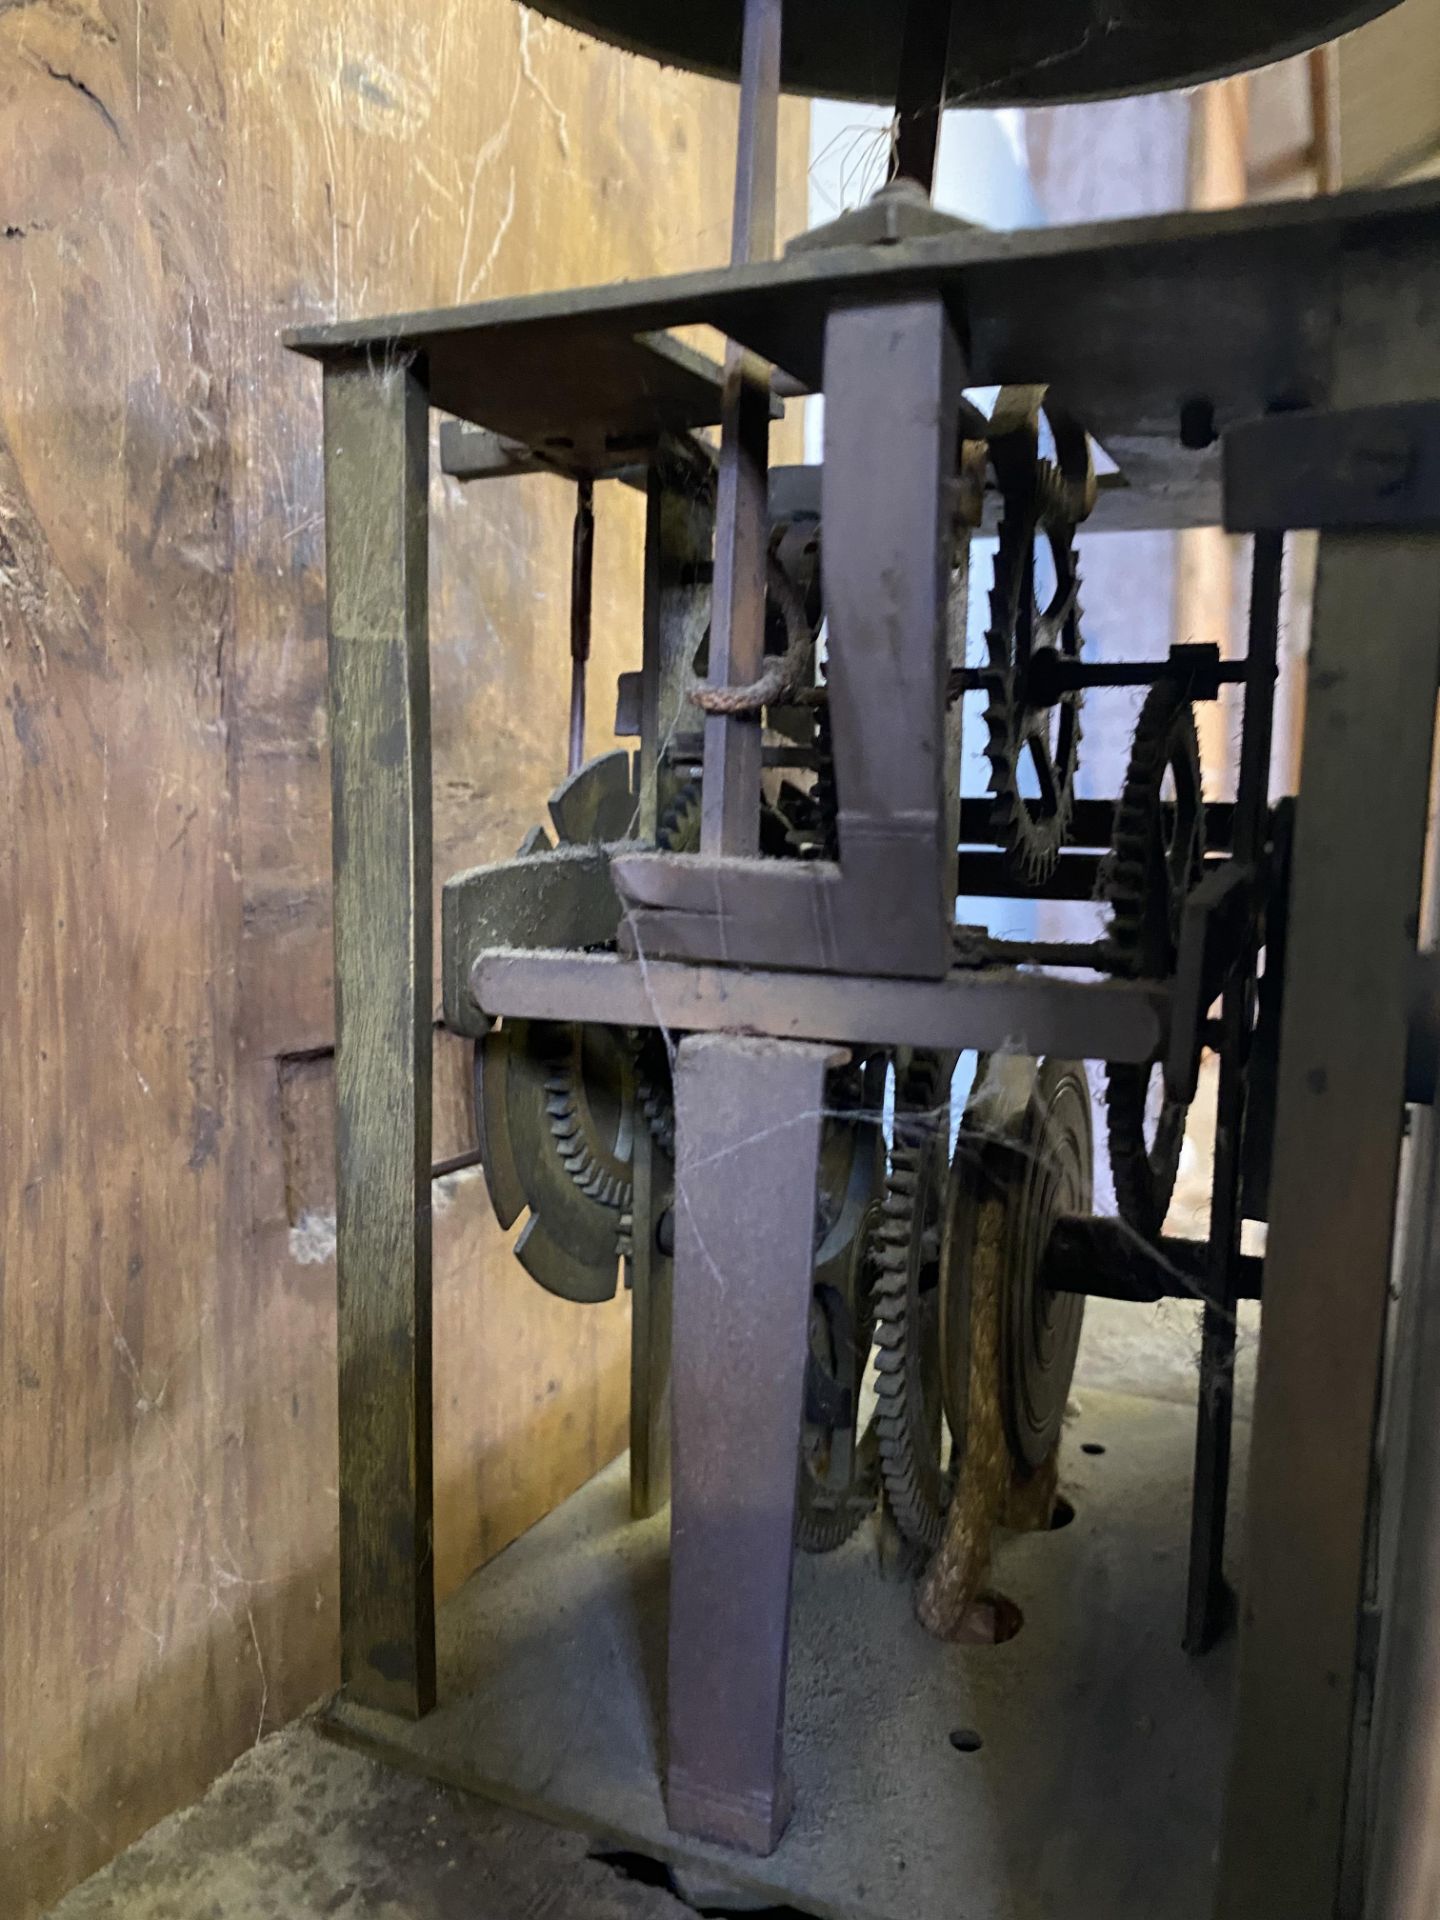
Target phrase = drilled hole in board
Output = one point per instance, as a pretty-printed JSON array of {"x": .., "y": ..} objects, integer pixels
[{"x": 990, "y": 1621}]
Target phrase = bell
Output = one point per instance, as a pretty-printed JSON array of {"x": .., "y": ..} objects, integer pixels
[{"x": 1030, "y": 53}]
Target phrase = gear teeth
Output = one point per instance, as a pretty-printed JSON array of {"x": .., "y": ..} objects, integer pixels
[
  {"x": 563, "y": 1115},
  {"x": 1032, "y": 844},
  {"x": 679, "y": 828},
  {"x": 1144, "y": 1175},
  {"x": 657, "y": 1103},
  {"x": 916, "y": 1488}
]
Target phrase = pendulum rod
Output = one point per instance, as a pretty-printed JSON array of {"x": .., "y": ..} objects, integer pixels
[
  {"x": 1206, "y": 1603},
  {"x": 582, "y": 593},
  {"x": 920, "y": 94},
  {"x": 730, "y": 793}
]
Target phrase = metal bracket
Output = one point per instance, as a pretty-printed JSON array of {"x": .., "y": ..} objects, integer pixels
[
  {"x": 1212, "y": 931},
  {"x": 1341, "y": 469}
]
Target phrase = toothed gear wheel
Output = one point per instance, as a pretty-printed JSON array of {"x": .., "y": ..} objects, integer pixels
[
  {"x": 839, "y": 1462},
  {"x": 679, "y": 829},
  {"x": 594, "y": 1143},
  {"x": 909, "y": 1421},
  {"x": 839, "y": 1457},
  {"x": 1023, "y": 639},
  {"x": 555, "y": 1110},
  {"x": 555, "y": 1104},
  {"x": 1157, "y": 853},
  {"x": 655, "y": 1092}
]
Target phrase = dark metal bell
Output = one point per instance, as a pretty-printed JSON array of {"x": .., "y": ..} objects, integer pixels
[{"x": 1029, "y": 53}]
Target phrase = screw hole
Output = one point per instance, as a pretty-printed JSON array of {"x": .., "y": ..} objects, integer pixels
[
  {"x": 1092, "y": 1447},
  {"x": 1062, "y": 1513},
  {"x": 1197, "y": 424},
  {"x": 966, "y": 1740}
]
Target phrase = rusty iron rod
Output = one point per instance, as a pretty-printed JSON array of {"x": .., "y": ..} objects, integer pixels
[
  {"x": 757, "y": 156},
  {"x": 730, "y": 801},
  {"x": 457, "y": 1163},
  {"x": 582, "y": 594},
  {"x": 920, "y": 94}
]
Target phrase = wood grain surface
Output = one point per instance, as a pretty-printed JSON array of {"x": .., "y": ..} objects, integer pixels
[{"x": 180, "y": 179}]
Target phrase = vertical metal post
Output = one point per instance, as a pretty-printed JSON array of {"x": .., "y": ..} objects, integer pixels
[
  {"x": 920, "y": 94},
  {"x": 893, "y": 379},
  {"x": 1207, "y": 1600},
  {"x": 1360, "y": 828},
  {"x": 652, "y": 1288},
  {"x": 679, "y": 547},
  {"x": 679, "y": 541},
  {"x": 748, "y": 1117},
  {"x": 1401, "y": 1765},
  {"x": 730, "y": 801},
  {"x": 582, "y": 596},
  {"x": 1370, "y": 708},
  {"x": 376, "y": 481},
  {"x": 1405, "y": 1864},
  {"x": 752, "y": 236}
]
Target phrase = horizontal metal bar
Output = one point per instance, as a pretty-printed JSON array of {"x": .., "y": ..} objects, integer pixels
[
  {"x": 989, "y": 876},
  {"x": 1073, "y": 676},
  {"x": 1206, "y": 305},
  {"x": 1108, "y": 1260},
  {"x": 996, "y": 1009},
  {"x": 1162, "y": 502},
  {"x": 1338, "y": 469},
  {"x": 457, "y": 1163},
  {"x": 1075, "y": 876},
  {"x": 1091, "y": 824},
  {"x": 687, "y": 750}
]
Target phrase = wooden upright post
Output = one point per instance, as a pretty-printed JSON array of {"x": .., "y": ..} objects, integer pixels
[{"x": 376, "y": 474}]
